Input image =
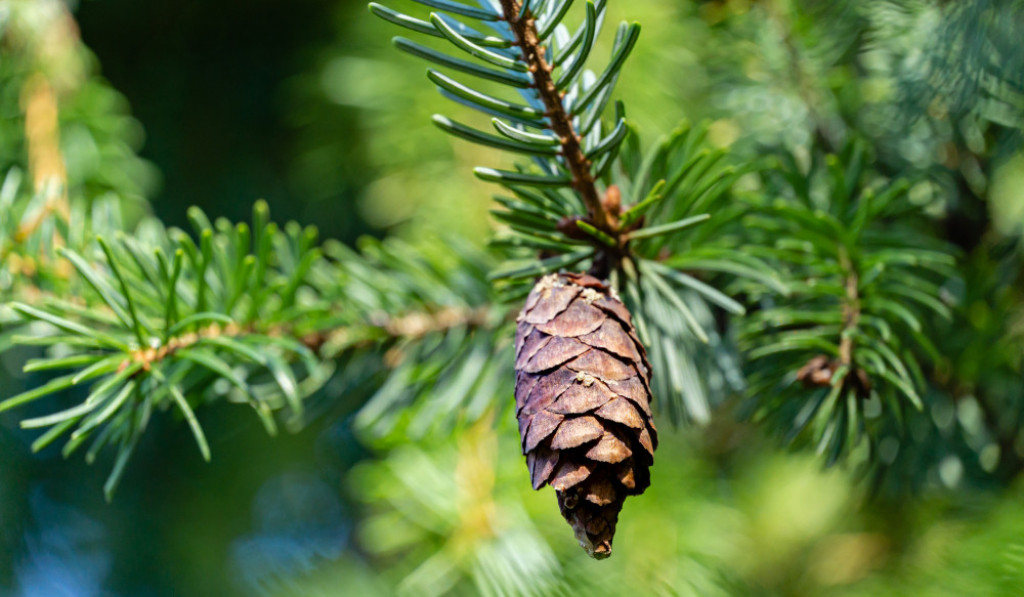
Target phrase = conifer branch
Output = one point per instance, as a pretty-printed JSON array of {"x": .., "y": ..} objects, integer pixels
[
  {"x": 410, "y": 326},
  {"x": 262, "y": 308},
  {"x": 853, "y": 329},
  {"x": 525, "y": 29}
]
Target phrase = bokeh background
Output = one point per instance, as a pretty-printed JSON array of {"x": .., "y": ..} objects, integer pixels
[{"x": 305, "y": 104}]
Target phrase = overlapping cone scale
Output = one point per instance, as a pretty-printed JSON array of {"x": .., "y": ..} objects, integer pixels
[{"x": 583, "y": 403}]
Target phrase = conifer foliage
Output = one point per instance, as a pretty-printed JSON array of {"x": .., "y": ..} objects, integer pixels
[
  {"x": 801, "y": 288},
  {"x": 567, "y": 211}
]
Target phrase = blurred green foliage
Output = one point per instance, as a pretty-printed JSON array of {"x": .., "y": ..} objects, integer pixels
[{"x": 307, "y": 105}]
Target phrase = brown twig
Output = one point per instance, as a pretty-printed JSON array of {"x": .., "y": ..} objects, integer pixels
[
  {"x": 410, "y": 326},
  {"x": 147, "y": 356},
  {"x": 420, "y": 323},
  {"x": 525, "y": 30},
  {"x": 851, "y": 312},
  {"x": 855, "y": 376},
  {"x": 820, "y": 369}
]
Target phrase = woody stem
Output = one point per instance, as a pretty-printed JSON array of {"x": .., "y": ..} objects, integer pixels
[
  {"x": 851, "y": 311},
  {"x": 525, "y": 31}
]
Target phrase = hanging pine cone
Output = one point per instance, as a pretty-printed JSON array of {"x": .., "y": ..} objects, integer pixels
[{"x": 583, "y": 402}]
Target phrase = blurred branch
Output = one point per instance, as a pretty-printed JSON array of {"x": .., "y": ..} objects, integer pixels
[
  {"x": 46, "y": 163},
  {"x": 803, "y": 84},
  {"x": 851, "y": 310}
]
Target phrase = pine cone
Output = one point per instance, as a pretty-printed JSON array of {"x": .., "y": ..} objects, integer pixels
[{"x": 583, "y": 402}]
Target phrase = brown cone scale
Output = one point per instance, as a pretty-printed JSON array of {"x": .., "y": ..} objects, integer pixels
[{"x": 583, "y": 403}]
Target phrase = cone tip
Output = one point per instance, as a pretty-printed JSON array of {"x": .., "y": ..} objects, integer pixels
[{"x": 600, "y": 551}]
